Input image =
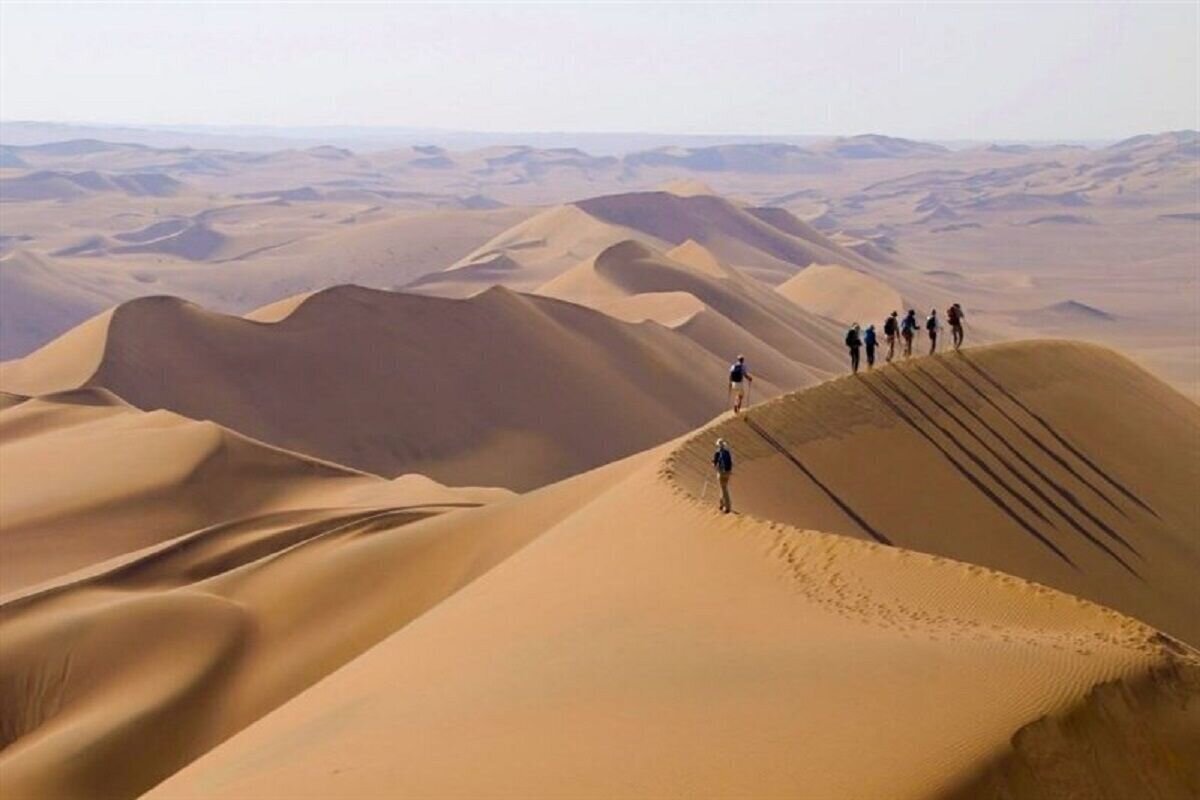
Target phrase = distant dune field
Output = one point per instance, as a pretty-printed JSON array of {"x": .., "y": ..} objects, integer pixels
[{"x": 328, "y": 473}]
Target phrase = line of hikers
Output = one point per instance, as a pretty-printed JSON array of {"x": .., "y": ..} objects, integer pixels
[
  {"x": 894, "y": 329},
  {"x": 906, "y": 329}
]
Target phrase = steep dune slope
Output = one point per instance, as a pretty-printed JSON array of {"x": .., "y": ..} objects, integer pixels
[
  {"x": 753, "y": 313},
  {"x": 816, "y": 665},
  {"x": 111, "y": 682},
  {"x": 87, "y": 478},
  {"x": 769, "y": 244},
  {"x": 1060, "y": 462},
  {"x": 499, "y": 390},
  {"x": 842, "y": 294}
]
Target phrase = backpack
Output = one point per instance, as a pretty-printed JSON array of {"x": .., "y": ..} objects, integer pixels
[
  {"x": 889, "y": 327},
  {"x": 852, "y": 338},
  {"x": 723, "y": 460},
  {"x": 952, "y": 315},
  {"x": 931, "y": 324},
  {"x": 736, "y": 372},
  {"x": 909, "y": 324}
]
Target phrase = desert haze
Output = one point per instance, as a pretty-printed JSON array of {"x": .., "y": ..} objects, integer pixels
[{"x": 340, "y": 473}]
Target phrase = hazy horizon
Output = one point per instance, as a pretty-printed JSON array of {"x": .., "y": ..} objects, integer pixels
[{"x": 1060, "y": 72}]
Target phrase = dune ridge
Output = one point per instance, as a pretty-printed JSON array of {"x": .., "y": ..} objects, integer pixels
[
  {"x": 744, "y": 311},
  {"x": 993, "y": 433},
  {"x": 487, "y": 391},
  {"x": 740, "y": 635},
  {"x": 667, "y": 618},
  {"x": 88, "y": 478}
]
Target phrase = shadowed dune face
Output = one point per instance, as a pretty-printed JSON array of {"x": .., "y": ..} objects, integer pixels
[
  {"x": 1062, "y": 463},
  {"x": 88, "y": 478},
  {"x": 673, "y": 631},
  {"x": 730, "y": 232},
  {"x": 689, "y": 632},
  {"x": 842, "y": 294},
  {"x": 111, "y": 682},
  {"x": 499, "y": 390},
  {"x": 630, "y": 268}
]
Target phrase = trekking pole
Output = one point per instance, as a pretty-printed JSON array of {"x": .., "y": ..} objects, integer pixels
[{"x": 704, "y": 491}]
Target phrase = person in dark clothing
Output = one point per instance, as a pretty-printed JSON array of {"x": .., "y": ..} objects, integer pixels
[
  {"x": 854, "y": 342},
  {"x": 739, "y": 383},
  {"x": 955, "y": 317},
  {"x": 932, "y": 326},
  {"x": 908, "y": 329},
  {"x": 870, "y": 343},
  {"x": 891, "y": 329},
  {"x": 723, "y": 462}
]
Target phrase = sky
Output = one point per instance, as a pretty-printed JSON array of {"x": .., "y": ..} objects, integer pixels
[{"x": 934, "y": 71}]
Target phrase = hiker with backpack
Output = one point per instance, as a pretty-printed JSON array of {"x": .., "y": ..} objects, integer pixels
[
  {"x": 854, "y": 342},
  {"x": 891, "y": 328},
  {"x": 908, "y": 329},
  {"x": 739, "y": 383},
  {"x": 870, "y": 342},
  {"x": 932, "y": 326},
  {"x": 723, "y": 462},
  {"x": 955, "y": 316}
]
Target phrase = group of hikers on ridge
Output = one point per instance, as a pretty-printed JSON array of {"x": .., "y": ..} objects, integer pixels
[{"x": 896, "y": 329}]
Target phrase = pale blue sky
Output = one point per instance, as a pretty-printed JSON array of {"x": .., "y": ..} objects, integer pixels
[{"x": 1034, "y": 71}]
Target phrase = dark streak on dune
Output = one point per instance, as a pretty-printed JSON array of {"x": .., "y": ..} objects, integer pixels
[
  {"x": 1029, "y": 484},
  {"x": 1062, "y": 441},
  {"x": 972, "y": 478},
  {"x": 850, "y": 512}
]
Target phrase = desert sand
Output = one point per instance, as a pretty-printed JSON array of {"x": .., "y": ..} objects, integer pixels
[
  {"x": 1008, "y": 230},
  {"x": 501, "y": 389},
  {"x": 265, "y": 416},
  {"x": 606, "y": 635}
]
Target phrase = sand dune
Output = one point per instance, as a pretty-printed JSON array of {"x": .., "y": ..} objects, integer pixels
[
  {"x": 70, "y": 265},
  {"x": 1007, "y": 439},
  {"x": 87, "y": 478},
  {"x": 751, "y": 312},
  {"x": 797, "y": 655},
  {"x": 770, "y": 244},
  {"x": 300, "y": 219},
  {"x": 534, "y": 251},
  {"x": 45, "y": 185},
  {"x": 489, "y": 391},
  {"x": 191, "y": 640},
  {"x": 842, "y": 294}
]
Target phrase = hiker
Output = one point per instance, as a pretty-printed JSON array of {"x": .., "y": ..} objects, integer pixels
[
  {"x": 870, "y": 342},
  {"x": 723, "y": 462},
  {"x": 739, "y": 382},
  {"x": 932, "y": 326},
  {"x": 908, "y": 329},
  {"x": 891, "y": 328},
  {"x": 854, "y": 342},
  {"x": 955, "y": 316}
]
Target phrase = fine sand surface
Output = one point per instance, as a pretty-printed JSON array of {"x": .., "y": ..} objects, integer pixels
[
  {"x": 738, "y": 313},
  {"x": 501, "y": 389},
  {"x": 992, "y": 456},
  {"x": 843, "y": 294},
  {"x": 1006, "y": 230},
  {"x": 605, "y": 635},
  {"x": 768, "y": 244},
  {"x": 814, "y": 664},
  {"x": 88, "y": 477}
]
